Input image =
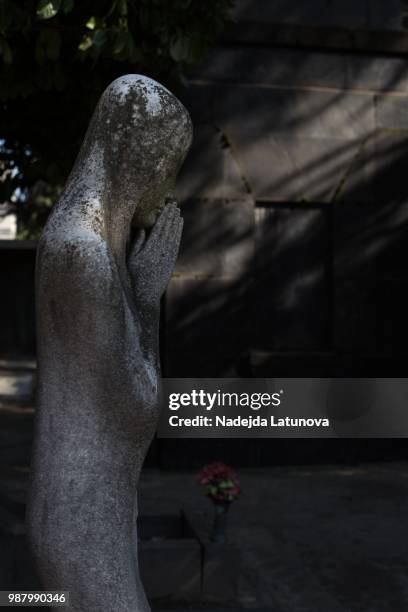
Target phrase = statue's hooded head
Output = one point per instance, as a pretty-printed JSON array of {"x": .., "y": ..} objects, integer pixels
[{"x": 140, "y": 133}]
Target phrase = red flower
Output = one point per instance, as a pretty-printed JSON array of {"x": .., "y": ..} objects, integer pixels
[{"x": 220, "y": 481}]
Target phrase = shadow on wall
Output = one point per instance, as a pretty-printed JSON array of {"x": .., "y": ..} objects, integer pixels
[
  {"x": 296, "y": 210},
  {"x": 365, "y": 14}
]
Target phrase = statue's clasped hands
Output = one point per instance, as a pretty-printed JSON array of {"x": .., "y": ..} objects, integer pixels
[{"x": 153, "y": 256}]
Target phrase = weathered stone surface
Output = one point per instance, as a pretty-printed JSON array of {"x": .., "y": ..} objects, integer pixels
[
  {"x": 302, "y": 114},
  {"x": 376, "y": 170},
  {"x": 294, "y": 145},
  {"x": 376, "y": 73},
  {"x": 391, "y": 112},
  {"x": 211, "y": 169},
  {"x": 274, "y": 66},
  {"x": 225, "y": 251},
  {"x": 300, "y": 68},
  {"x": 282, "y": 168},
  {"x": 98, "y": 304},
  {"x": 357, "y": 183}
]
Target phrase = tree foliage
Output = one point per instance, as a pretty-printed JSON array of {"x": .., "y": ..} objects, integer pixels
[{"x": 57, "y": 56}]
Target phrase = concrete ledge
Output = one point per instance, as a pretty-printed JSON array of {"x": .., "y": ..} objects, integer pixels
[
  {"x": 10, "y": 245},
  {"x": 341, "y": 39}
]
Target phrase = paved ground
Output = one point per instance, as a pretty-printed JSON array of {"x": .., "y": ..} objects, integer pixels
[
  {"x": 319, "y": 539},
  {"x": 315, "y": 539}
]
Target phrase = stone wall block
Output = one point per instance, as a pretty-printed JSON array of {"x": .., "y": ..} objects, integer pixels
[{"x": 218, "y": 238}]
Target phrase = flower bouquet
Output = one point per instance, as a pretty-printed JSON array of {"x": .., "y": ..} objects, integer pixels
[{"x": 222, "y": 486}]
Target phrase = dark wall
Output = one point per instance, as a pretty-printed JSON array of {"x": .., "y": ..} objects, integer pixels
[
  {"x": 17, "y": 319},
  {"x": 294, "y": 258}
]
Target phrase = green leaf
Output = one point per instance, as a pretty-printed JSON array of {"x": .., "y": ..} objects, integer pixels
[
  {"x": 91, "y": 23},
  {"x": 85, "y": 43},
  {"x": 46, "y": 9},
  {"x": 225, "y": 484}
]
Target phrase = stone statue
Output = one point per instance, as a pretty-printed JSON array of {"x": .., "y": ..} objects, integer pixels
[{"x": 98, "y": 302}]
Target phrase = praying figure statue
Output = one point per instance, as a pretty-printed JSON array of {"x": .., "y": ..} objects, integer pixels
[{"x": 104, "y": 261}]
